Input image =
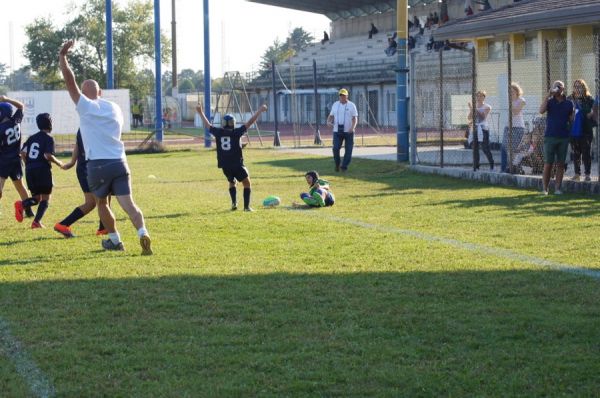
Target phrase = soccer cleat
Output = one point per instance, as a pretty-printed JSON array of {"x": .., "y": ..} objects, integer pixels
[
  {"x": 248, "y": 209},
  {"x": 588, "y": 178},
  {"x": 35, "y": 225},
  {"x": 233, "y": 206},
  {"x": 29, "y": 212},
  {"x": 101, "y": 232},
  {"x": 145, "y": 242},
  {"x": 19, "y": 211},
  {"x": 64, "y": 230},
  {"x": 108, "y": 244}
]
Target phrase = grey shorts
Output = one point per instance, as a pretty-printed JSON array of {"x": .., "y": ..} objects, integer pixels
[{"x": 109, "y": 177}]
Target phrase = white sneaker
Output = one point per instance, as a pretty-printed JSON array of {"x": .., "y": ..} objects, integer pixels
[
  {"x": 588, "y": 178},
  {"x": 558, "y": 192},
  {"x": 544, "y": 192},
  {"x": 576, "y": 177}
]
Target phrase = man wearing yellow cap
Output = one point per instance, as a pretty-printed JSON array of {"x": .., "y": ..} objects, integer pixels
[{"x": 343, "y": 117}]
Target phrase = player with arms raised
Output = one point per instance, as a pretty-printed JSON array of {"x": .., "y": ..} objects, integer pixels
[{"x": 229, "y": 153}]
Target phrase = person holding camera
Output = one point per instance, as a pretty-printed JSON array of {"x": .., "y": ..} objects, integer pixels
[
  {"x": 344, "y": 118},
  {"x": 556, "y": 136}
]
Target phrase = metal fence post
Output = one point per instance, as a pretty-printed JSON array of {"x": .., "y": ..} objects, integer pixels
[
  {"x": 413, "y": 111},
  {"x": 510, "y": 115},
  {"x": 473, "y": 105},
  {"x": 441, "y": 107}
]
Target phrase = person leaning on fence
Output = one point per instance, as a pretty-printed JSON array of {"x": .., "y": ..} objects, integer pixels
[
  {"x": 560, "y": 112},
  {"x": 101, "y": 124},
  {"x": 518, "y": 127},
  {"x": 343, "y": 117},
  {"x": 482, "y": 110},
  {"x": 582, "y": 129}
]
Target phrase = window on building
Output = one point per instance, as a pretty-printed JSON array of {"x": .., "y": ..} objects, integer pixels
[
  {"x": 496, "y": 50},
  {"x": 530, "y": 45}
]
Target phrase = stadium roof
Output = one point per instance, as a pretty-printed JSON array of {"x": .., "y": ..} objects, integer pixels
[
  {"x": 527, "y": 15},
  {"x": 340, "y": 9}
]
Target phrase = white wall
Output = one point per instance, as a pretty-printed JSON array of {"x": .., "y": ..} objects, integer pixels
[{"x": 62, "y": 109}]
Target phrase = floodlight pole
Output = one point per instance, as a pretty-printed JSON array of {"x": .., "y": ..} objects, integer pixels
[
  {"x": 401, "y": 82},
  {"x": 158, "y": 81},
  {"x": 109, "y": 46},
  {"x": 207, "y": 88}
]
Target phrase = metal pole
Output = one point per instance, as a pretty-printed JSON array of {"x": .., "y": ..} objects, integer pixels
[
  {"x": 547, "y": 59},
  {"x": 473, "y": 111},
  {"x": 598, "y": 105},
  {"x": 158, "y": 83},
  {"x": 276, "y": 139},
  {"x": 317, "y": 106},
  {"x": 174, "y": 40},
  {"x": 401, "y": 78},
  {"x": 413, "y": 112},
  {"x": 510, "y": 115},
  {"x": 109, "y": 46},
  {"x": 207, "y": 87},
  {"x": 441, "y": 107}
]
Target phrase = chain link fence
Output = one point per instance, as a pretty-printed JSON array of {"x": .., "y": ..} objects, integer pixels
[{"x": 505, "y": 82}]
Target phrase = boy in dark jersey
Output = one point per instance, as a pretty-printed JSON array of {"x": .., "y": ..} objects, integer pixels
[
  {"x": 38, "y": 153},
  {"x": 78, "y": 157},
  {"x": 10, "y": 146},
  {"x": 229, "y": 153}
]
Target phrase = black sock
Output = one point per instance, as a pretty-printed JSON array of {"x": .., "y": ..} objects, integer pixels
[
  {"x": 100, "y": 226},
  {"x": 247, "y": 197},
  {"x": 29, "y": 202},
  {"x": 41, "y": 210},
  {"x": 28, "y": 211},
  {"x": 73, "y": 217},
  {"x": 233, "y": 194}
]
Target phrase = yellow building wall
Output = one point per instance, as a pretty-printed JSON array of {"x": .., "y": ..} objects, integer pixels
[{"x": 580, "y": 53}]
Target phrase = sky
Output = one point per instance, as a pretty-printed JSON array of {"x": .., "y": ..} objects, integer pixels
[{"x": 240, "y": 31}]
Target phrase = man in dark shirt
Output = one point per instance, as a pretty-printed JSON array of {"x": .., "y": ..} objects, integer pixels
[
  {"x": 556, "y": 136},
  {"x": 38, "y": 153},
  {"x": 10, "y": 146},
  {"x": 229, "y": 153}
]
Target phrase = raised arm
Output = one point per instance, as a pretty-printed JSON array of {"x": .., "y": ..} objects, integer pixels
[
  {"x": 203, "y": 116},
  {"x": 254, "y": 118},
  {"x": 15, "y": 103},
  {"x": 67, "y": 72}
]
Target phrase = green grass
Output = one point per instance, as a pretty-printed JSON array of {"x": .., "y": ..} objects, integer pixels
[{"x": 360, "y": 299}]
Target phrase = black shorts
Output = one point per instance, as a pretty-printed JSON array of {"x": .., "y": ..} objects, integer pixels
[
  {"x": 237, "y": 173},
  {"x": 12, "y": 169},
  {"x": 82, "y": 178},
  {"x": 39, "y": 181}
]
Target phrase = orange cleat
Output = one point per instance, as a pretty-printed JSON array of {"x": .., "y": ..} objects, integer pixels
[
  {"x": 35, "y": 225},
  {"x": 19, "y": 211},
  {"x": 64, "y": 230}
]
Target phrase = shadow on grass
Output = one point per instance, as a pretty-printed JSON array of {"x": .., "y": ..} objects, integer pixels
[
  {"x": 399, "y": 179},
  {"x": 367, "y": 334}
]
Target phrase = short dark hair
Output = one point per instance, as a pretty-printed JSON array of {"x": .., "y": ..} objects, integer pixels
[{"x": 44, "y": 121}]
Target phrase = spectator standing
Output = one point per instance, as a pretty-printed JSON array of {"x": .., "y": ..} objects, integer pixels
[
  {"x": 325, "y": 37},
  {"x": 556, "y": 136},
  {"x": 481, "y": 112},
  {"x": 518, "y": 126},
  {"x": 582, "y": 129},
  {"x": 344, "y": 118},
  {"x": 373, "y": 30},
  {"x": 101, "y": 123},
  {"x": 135, "y": 112}
]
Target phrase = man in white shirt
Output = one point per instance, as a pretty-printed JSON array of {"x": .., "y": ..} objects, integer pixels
[
  {"x": 344, "y": 118},
  {"x": 101, "y": 122}
]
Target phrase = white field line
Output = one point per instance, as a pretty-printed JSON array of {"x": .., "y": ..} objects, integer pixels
[
  {"x": 11, "y": 348},
  {"x": 473, "y": 247}
]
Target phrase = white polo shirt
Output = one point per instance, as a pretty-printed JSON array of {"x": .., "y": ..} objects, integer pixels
[
  {"x": 342, "y": 114},
  {"x": 100, "y": 122}
]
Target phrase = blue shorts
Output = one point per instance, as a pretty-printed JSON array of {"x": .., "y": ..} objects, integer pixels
[
  {"x": 82, "y": 178},
  {"x": 12, "y": 169}
]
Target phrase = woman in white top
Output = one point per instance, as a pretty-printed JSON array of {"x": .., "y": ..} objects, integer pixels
[
  {"x": 518, "y": 126},
  {"x": 482, "y": 110}
]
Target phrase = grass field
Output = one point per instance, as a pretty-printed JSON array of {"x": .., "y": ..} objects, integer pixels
[{"x": 411, "y": 285}]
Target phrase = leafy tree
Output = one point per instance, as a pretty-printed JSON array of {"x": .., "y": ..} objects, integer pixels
[
  {"x": 186, "y": 86},
  {"x": 133, "y": 45},
  {"x": 297, "y": 41}
]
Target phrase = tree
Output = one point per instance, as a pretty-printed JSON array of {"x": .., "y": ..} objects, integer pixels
[
  {"x": 297, "y": 41},
  {"x": 133, "y": 45},
  {"x": 186, "y": 86}
]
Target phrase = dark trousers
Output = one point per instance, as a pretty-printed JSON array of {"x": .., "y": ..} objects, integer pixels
[
  {"x": 515, "y": 140},
  {"x": 581, "y": 148},
  {"x": 348, "y": 140},
  {"x": 485, "y": 147}
]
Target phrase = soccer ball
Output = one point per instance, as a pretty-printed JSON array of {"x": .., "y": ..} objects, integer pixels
[{"x": 271, "y": 201}]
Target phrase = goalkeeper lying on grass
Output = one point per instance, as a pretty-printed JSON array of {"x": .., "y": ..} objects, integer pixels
[{"x": 319, "y": 194}]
